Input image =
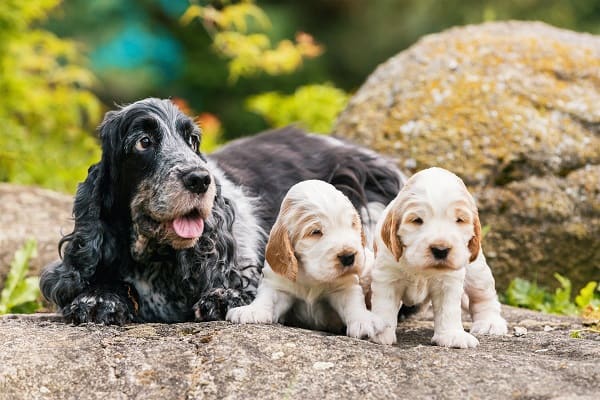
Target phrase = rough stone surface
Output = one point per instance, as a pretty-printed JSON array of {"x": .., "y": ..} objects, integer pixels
[
  {"x": 42, "y": 358},
  {"x": 28, "y": 212},
  {"x": 514, "y": 109}
]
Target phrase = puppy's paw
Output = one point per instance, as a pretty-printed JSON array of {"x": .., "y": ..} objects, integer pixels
[
  {"x": 492, "y": 325},
  {"x": 214, "y": 305},
  {"x": 249, "y": 315},
  {"x": 387, "y": 336},
  {"x": 366, "y": 325},
  {"x": 100, "y": 308},
  {"x": 457, "y": 339}
]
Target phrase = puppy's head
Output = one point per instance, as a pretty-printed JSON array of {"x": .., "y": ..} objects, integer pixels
[
  {"x": 150, "y": 149},
  {"x": 433, "y": 223},
  {"x": 318, "y": 234}
]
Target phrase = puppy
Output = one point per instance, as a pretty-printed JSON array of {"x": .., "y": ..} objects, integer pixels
[
  {"x": 428, "y": 247},
  {"x": 314, "y": 257}
]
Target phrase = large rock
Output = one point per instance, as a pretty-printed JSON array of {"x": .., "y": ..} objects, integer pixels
[
  {"x": 41, "y": 358},
  {"x": 514, "y": 109},
  {"x": 28, "y": 212}
]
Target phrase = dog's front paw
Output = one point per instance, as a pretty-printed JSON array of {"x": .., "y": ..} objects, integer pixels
[
  {"x": 250, "y": 315},
  {"x": 366, "y": 325},
  {"x": 214, "y": 305},
  {"x": 457, "y": 339},
  {"x": 387, "y": 336},
  {"x": 103, "y": 308},
  {"x": 493, "y": 325}
]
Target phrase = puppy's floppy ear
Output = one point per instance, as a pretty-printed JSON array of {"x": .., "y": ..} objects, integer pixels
[
  {"x": 475, "y": 242},
  {"x": 389, "y": 234},
  {"x": 363, "y": 236},
  {"x": 280, "y": 253}
]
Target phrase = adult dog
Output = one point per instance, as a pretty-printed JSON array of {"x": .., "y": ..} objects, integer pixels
[{"x": 163, "y": 233}]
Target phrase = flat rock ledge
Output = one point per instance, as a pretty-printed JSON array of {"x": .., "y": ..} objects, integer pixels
[{"x": 43, "y": 358}]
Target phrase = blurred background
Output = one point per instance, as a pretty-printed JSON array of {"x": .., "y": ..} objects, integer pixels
[{"x": 64, "y": 63}]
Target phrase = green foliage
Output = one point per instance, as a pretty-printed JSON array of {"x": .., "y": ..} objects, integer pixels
[
  {"x": 526, "y": 294},
  {"x": 250, "y": 52},
  {"x": 314, "y": 107},
  {"x": 45, "y": 107},
  {"x": 20, "y": 294}
]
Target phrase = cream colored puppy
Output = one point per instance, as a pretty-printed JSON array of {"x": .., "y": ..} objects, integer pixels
[
  {"x": 314, "y": 258},
  {"x": 428, "y": 248}
]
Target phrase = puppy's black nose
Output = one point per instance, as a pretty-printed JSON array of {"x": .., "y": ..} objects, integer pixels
[
  {"x": 196, "y": 181},
  {"x": 347, "y": 259},
  {"x": 440, "y": 253}
]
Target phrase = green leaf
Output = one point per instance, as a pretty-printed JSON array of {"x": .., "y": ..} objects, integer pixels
[
  {"x": 586, "y": 294},
  {"x": 19, "y": 290},
  {"x": 315, "y": 107}
]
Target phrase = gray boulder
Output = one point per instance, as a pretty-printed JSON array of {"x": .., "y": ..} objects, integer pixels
[
  {"x": 42, "y": 358},
  {"x": 514, "y": 109},
  {"x": 29, "y": 212}
]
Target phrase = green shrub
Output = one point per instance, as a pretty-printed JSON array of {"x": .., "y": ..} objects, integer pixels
[
  {"x": 526, "y": 294},
  {"x": 314, "y": 107},
  {"x": 20, "y": 294},
  {"x": 46, "y": 109}
]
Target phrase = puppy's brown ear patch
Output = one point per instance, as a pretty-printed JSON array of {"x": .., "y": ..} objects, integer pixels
[
  {"x": 280, "y": 253},
  {"x": 389, "y": 234},
  {"x": 357, "y": 222},
  {"x": 475, "y": 242}
]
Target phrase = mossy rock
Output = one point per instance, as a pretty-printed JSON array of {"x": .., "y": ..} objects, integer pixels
[{"x": 514, "y": 109}]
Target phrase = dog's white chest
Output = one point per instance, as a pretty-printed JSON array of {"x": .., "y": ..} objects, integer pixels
[{"x": 416, "y": 290}]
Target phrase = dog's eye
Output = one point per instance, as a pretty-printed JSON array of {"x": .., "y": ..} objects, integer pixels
[
  {"x": 194, "y": 141},
  {"x": 417, "y": 221},
  {"x": 316, "y": 233},
  {"x": 143, "y": 144},
  {"x": 460, "y": 220}
]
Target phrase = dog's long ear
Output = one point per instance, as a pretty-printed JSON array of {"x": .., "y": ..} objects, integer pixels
[
  {"x": 91, "y": 243},
  {"x": 389, "y": 234},
  {"x": 280, "y": 253},
  {"x": 475, "y": 242}
]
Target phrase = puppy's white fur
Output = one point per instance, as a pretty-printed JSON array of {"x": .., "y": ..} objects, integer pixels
[
  {"x": 428, "y": 248},
  {"x": 308, "y": 277}
]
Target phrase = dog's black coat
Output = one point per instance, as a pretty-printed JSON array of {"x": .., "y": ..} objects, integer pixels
[
  {"x": 118, "y": 265},
  {"x": 270, "y": 163}
]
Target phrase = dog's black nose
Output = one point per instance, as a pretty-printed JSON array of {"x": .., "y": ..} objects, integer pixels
[
  {"x": 196, "y": 181},
  {"x": 440, "y": 253},
  {"x": 347, "y": 259}
]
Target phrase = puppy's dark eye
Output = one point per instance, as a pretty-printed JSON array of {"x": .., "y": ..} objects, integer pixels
[
  {"x": 143, "y": 144},
  {"x": 316, "y": 233},
  {"x": 460, "y": 220},
  {"x": 417, "y": 221}
]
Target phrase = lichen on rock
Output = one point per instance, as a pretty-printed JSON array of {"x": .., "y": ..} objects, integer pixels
[{"x": 514, "y": 109}]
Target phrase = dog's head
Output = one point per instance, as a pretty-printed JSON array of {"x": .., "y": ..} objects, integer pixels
[
  {"x": 318, "y": 234},
  {"x": 433, "y": 222},
  {"x": 152, "y": 174}
]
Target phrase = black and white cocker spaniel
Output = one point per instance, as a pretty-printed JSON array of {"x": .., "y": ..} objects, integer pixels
[{"x": 165, "y": 234}]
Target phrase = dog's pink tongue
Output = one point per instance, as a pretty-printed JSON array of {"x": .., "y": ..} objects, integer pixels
[{"x": 189, "y": 228}]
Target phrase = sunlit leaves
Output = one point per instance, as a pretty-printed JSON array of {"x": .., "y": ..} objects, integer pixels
[
  {"x": 233, "y": 17},
  {"x": 46, "y": 109},
  {"x": 238, "y": 32},
  {"x": 314, "y": 107}
]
